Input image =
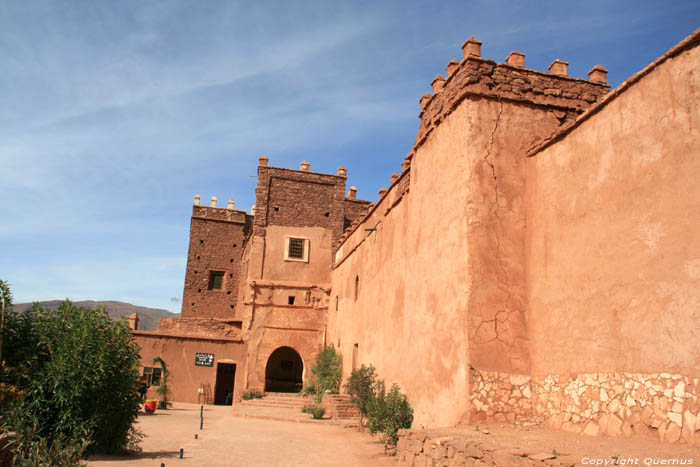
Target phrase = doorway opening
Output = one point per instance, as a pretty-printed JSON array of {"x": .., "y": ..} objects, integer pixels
[
  {"x": 225, "y": 378},
  {"x": 284, "y": 371}
]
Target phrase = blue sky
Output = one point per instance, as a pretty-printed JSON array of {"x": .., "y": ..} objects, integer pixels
[{"x": 113, "y": 115}]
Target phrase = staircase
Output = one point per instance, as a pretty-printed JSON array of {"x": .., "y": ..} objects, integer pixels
[
  {"x": 276, "y": 406},
  {"x": 340, "y": 409},
  {"x": 280, "y": 400}
]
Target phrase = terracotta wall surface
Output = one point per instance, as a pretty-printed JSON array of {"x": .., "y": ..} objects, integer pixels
[
  {"x": 273, "y": 323},
  {"x": 442, "y": 280},
  {"x": 316, "y": 270},
  {"x": 179, "y": 354},
  {"x": 409, "y": 317},
  {"x": 217, "y": 237},
  {"x": 614, "y": 251}
]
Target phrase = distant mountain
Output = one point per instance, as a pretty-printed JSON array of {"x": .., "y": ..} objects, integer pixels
[{"x": 148, "y": 317}]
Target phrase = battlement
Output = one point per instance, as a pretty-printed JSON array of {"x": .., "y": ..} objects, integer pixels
[
  {"x": 510, "y": 81},
  {"x": 212, "y": 212}
]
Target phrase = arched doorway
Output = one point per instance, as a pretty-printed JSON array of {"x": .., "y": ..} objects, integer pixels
[{"x": 284, "y": 370}]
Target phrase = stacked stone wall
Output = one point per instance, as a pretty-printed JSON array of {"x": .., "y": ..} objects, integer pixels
[{"x": 613, "y": 404}]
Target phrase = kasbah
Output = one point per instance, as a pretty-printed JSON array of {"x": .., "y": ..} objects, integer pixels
[{"x": 536, "y": 258}]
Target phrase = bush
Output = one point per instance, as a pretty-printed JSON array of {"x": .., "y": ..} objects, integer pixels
[
  {"x": 361, "y": 387},
  {"x": 328, "y": 371},
  {"x": 251, "y": 394},
  {"x": 317, "y": 412},
  {"x": 78, "y": 371},
  {"x": 28, "y": 449},
  {"x": 388, "y": 413}
]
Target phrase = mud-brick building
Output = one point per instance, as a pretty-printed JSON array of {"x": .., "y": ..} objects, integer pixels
[
  {"x": 536, "y": 257},
  {"x": 257, "y": 288}
]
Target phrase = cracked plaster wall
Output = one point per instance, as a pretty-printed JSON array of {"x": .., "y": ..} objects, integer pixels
[
  {"x": 441, "y": 280},
  {"x": 613, "y": 238}
]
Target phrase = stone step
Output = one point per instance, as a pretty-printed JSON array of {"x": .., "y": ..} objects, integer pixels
[{"x": 267, "y": 403}]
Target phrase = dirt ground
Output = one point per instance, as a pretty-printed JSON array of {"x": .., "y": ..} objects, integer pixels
[
  {"x": 233, "y": 441},
  {"x": 263, "y": 440},
  {"x": 578, "y": 449}
]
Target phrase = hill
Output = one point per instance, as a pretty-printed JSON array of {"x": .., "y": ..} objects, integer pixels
[{"x": 148, "y": 317}]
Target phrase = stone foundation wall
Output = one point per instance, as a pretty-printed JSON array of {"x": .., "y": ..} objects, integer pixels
[
  {"x": 500, "y": 396},
  {"x": 614, "y": 404}
]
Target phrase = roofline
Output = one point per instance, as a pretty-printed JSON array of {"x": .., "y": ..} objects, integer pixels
[{"x": 689, "y": 42}]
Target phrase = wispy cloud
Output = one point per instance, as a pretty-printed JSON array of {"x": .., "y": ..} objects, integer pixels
[{"x": 114, "y": 114}]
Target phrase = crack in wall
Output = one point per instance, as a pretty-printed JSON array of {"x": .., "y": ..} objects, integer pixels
[{"x": 502, "y": 276}]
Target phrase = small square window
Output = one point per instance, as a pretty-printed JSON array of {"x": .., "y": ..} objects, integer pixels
[
  {"x": 216, "y": 280},
  {"x": 296, "y": 249},
  {"x": 291, "y": 299}
]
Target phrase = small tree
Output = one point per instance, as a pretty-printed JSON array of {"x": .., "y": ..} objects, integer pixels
[
  {"x": 78, "y": 373},
  {"x": 361, "y": 387},
  {"x": 163, "y": 390},
  {"x": 328, "y": 371},
  {"x": 389, "y": 413}
]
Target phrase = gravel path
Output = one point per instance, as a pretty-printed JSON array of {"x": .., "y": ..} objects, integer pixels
[{"x": 233, "y": 441}]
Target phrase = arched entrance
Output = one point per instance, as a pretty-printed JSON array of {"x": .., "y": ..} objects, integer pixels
[{"x": 284, "y": 370}]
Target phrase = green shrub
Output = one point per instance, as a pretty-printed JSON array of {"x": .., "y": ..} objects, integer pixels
[
  {"x": 317, "y": 412},
  {"x": 388, "y": 413},
  {"x": 328, "y": 371},
  {"x": 361, "y": 387},
  {"x": 251, "y": 394},
  {"x": 28, "y": 449},
  {"x": 78, "y": 371}
]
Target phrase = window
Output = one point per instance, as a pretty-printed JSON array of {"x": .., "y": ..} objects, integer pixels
[
  {"x": 357, "y": 286},
  {"x": 296, "y": 249},
  {"x": 290, "y": 300},
  {"x": 216, "y": 279},
  {"x": 151, "y": 376}
]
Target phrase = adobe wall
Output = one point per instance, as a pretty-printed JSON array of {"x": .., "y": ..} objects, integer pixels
[
  {"x": 217, "y": 237},
  {"x": 316, "y": 270},
  {"x": 614, "y": 256},
  {"x": 178, "y": 352},
  {"x": 442, "y": 279},
  {"x": 273, "y": 323}
]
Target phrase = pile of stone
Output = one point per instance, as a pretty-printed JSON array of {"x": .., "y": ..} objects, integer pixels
[{"x": 417, "y": 449}]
